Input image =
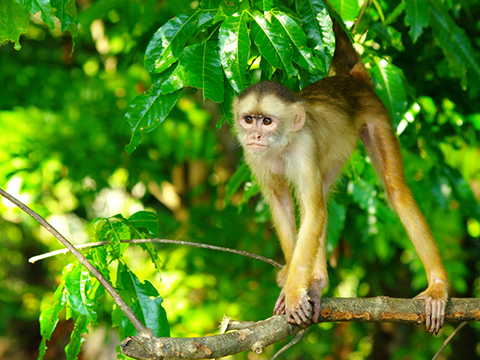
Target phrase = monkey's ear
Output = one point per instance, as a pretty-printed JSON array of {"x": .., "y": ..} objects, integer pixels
[{"x": 300, "y": 117}]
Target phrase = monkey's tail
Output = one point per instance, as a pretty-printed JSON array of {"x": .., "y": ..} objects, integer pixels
[{"x": 346, "y": 61}]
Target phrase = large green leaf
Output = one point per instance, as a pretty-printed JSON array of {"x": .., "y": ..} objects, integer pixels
[
  {"x": 234, "y": 43},
  {"x": 274, "y": 47},
  {"x": 199, "y": 67},
  {"x": 151, "y": 308},
  {"x": 291, "y": 29},
  {"x": 347, "y": 9},
  {"x": 168, "y": 42},
  {"x": 79, "y": 292},
  {"x": 147, "y": 111},
  {"x": 417, "y": 17},
  {"x": 44, "y": 6},
  {"x": 14, "y": 19},
  {"x": 318, "y": 27},
  {"x": 390, "y": 88},
  {"x": 454, "y": 42},
  {"x": 146, "y": 304}
]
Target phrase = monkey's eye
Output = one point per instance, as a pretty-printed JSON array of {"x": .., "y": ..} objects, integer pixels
[
  {"x": 267, "y": 121},
  {"x": 248, "y": 119}
]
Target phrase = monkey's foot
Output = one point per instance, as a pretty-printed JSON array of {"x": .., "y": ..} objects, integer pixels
[
  {"x": 435, "y": 303},
  {"x": 315, "y": 298},
  {"x": 299, "y": 314}
]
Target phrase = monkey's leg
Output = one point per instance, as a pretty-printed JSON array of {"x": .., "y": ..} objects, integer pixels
[
  {"x": 319, "y": 276},
  {"x": 319, "y": 279},
  {"x": 384, "y": 150}
]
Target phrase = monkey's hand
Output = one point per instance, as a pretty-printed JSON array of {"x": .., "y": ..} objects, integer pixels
[{"x": 435, "y": 302}]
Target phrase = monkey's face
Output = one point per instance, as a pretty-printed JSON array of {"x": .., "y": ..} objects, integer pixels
[
  {"x": 264, "y": 121},
  {"x": 258, "y": 131}
]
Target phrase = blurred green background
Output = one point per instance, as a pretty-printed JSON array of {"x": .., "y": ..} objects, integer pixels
[{"x": 62, "y": 139}]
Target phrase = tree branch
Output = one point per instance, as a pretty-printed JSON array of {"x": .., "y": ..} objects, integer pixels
[
  {"x": 139, "y": 326},
  {"x": 264, "y": 333}
]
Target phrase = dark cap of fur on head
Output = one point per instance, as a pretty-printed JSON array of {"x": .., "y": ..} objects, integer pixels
[{"x": 270, "y": 87}]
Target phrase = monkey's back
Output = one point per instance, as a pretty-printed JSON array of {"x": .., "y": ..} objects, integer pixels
[{"x": 337, "y": 109}]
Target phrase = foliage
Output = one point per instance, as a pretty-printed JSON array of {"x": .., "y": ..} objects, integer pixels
[{"x": 62, "y": 140}]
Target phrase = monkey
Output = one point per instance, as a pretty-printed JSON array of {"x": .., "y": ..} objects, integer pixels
[{"x": 296, "y": 143}]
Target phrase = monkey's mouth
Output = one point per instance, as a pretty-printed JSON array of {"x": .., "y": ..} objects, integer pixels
[{"x": 256, "y": 147}]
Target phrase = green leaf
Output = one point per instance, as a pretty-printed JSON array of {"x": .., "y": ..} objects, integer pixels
[
  {"x": 34, "y": 6},
  {"x": 67, "y": 14},
  {"x": 80, "y": 292},
  {"x": 14, "y": 19},
  {"x": 151, "y": 307},
  {"x": 205, "y": 19},
  {"x": 347, "y": 9},
  {"x": 337, "y": 214},
  {"x": 264, "y": 5},
  {"x": 148, "y": 221},
  {"x": 290, "y": 28},
  {"x": 238, "y": 178},
  {"x": 389, "y": 87},
  {"x": 234, "y": 43},
  {"x": 463, "y": 193},
  {"x": 49, "y": 317},
  {"x": 318, "y": 27},
  {"x": 73, "y": 348},
  {"x": 147, "y": 111},
  {"x": 199, "y": 67},
  {"x": 417, "y": 17},
  {"x": 274, "y": 47},
  {"x": 168, "y": 42},
  {"x": 145, "y": 219},
  {"x": 146, "y": 304},
  {"x": 454, "y": 42}
]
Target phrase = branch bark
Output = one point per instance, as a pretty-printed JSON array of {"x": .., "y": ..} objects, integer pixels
[{"x": 264, "y": 333}]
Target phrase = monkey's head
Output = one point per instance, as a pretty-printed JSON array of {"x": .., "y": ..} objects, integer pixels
[{"x": 266, "y": 114}]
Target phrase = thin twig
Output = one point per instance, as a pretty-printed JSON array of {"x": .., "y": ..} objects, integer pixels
[
  {"x": 142, "y": 329},
  {"x": 447, "y": 341},
  {"x": 295, "y": 340},
  {"x": 362, "y": 12},
  {"x": 162, "y": 241}
]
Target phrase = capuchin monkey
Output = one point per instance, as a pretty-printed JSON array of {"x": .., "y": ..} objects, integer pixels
[{"x": 299, "y": 141}]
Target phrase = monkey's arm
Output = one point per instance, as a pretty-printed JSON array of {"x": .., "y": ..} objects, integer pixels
[
  {"x": 278, "y": 195},
  {"x": 307, "y": 181}
]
